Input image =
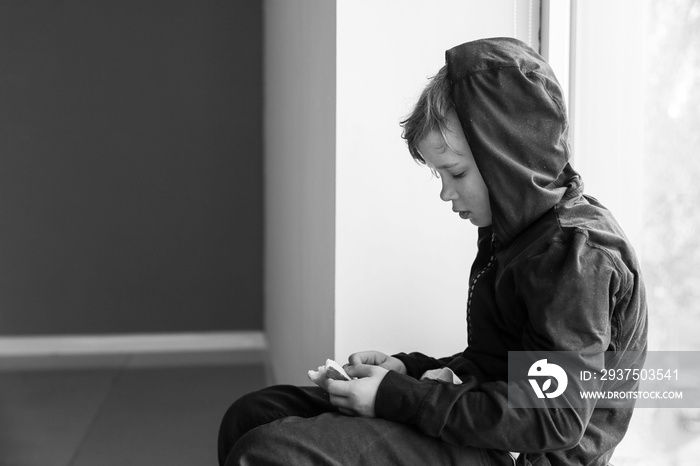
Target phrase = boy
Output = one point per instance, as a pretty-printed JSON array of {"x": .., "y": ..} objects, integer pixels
[{"x": 553, "y": 272}]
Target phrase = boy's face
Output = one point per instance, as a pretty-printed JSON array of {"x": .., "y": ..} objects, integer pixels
[{"x": 462, "y": 183}]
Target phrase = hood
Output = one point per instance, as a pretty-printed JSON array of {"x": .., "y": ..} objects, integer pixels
[{"x": 512, "y": 111}]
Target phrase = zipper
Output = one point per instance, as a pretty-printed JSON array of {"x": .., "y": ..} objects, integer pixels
[{"x": 473, "y": 284}]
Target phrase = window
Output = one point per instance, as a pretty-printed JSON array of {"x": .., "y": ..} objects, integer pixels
[{"x": 635, "y": 95}]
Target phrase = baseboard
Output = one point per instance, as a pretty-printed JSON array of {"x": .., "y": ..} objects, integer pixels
[{"x": 131, "y": 350}]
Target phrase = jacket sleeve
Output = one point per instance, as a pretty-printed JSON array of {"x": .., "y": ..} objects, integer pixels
[
  {"x": 568, "y": 292},
  {"x": 417, "y": 363}
]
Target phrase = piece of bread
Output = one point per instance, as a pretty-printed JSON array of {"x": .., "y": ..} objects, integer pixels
[{"x": 331, "y": 370}]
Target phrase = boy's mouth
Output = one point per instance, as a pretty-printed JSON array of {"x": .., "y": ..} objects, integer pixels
[{"x": 464, "y": 215}]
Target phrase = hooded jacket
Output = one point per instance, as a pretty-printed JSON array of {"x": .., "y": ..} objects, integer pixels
[{"x": 554, "y": 272}]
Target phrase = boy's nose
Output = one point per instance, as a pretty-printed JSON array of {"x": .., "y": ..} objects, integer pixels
[{"x": 446, "y": 193}]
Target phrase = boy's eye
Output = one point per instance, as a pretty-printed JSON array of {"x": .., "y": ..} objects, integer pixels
[{"x": 459, "y": 175}]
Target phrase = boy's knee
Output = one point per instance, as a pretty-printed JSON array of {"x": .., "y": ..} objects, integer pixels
[
  {"x": 246, "y": 413},
  {"x": 238, "y": 419},
  {"x": 267, "y": 405},
  {"x": 248, "y": 410},
  {"x": 241, "y": 409}
]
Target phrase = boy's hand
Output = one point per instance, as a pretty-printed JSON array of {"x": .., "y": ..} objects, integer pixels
[
  {"x": 356, "y": 397},
  {"x": 376, "y": 358}
]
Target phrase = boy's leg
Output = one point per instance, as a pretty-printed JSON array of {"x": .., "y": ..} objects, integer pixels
[
  {"x": 267, "y": 405},
  {"x": 333, "y": 439}
]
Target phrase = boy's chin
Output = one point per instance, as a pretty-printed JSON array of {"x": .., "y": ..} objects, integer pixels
[{"x": 480, "y": 222}]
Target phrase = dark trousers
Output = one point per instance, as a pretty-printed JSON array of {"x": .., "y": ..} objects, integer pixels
[{"x": 286, "y": 425}]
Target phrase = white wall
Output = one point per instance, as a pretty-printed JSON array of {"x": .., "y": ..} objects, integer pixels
[
  {"x": 360, "y": 252},
  {"x": 299, "y": 123},
  {"x": 402, "y": 256}
]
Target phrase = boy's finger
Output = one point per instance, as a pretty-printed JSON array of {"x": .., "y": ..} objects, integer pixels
[
  {"x": 338, "y": 387},
  {"x": 354, "y": 359},
  {"x": 361, "y": 370},
  {"x": 339, "y": 401}
]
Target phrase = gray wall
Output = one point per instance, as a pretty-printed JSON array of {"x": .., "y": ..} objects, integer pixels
[
  {"x": 130, "y": 166},
  {"x": 300, "y": 82}
]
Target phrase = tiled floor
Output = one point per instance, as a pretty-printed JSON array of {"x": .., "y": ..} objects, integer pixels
[{"x": 117, "y": 416}]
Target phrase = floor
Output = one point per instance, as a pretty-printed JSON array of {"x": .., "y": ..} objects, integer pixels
[{"x": 118, "y": 416}]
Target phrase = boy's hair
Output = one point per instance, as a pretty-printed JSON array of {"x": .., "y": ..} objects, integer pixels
[{"x": 429, "y": 114}]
